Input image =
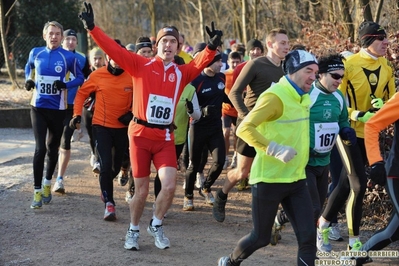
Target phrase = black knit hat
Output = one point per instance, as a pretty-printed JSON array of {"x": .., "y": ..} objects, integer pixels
[
  {"x": 368, "y": 32},
  {"x": 70, "y": 32},
  {"x": 142, "y": 42},
  {"x": 254, "y": 43},
  {"x": 297, "y": 59}
]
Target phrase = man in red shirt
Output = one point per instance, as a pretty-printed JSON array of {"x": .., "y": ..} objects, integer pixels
[{"x": 157, "y": 86}]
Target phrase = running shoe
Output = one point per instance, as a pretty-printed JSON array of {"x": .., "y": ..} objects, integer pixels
[
  {"x": 161, "y": 241},
  {"x": 123, "y": 177},
  {"x": 46, "y": 195},
  {"x": 276, "y": 236},
  {"x": 37, "y": 200},
  {"x": 131, "y": 240},
  {"x": 322, "y": 242},
  {"x": 96, "y": 168},
  {"x": 59, "y": 186},
  {"x": 219, "y": 208},
  {"x": 224, "y": 261},
  {"x": 188, "y": 204},
  {"x": 109, "y": 214},
  {"x": 207, "y": 194},
  {"x": 334, "y": 233}
]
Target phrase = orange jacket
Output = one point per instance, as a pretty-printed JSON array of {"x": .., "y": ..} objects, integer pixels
[
  {"x": 227, "y": 108},
  {"x": 113, "y": 97}
]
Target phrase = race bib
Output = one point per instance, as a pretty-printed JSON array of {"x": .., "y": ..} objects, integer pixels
[
  {"x": 159, "y": 110},
  {"x": 45, "y": 85},
  {"x": 325, "y": 136}
]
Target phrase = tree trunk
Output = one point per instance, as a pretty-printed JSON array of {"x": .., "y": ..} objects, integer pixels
[
  {"x": 201, "y": 20},
  {"x": 244, "y": 21},
  {"x": 8, "y": 57},
  {"x": 347, "y": 19},
  {"x": 378, "y": 11}
]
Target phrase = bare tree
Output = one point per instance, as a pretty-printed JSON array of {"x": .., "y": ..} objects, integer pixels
[{"x": 8, "y": 58}]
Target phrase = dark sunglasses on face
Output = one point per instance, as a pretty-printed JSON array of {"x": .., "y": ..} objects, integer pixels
[
  {"x": 379, "y": 37},
  {"x": 336, "y": 76}
]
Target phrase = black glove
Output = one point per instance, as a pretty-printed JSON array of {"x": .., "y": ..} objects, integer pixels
[
  {"x": 215, "y": 37},
  {"x": 208, "y": 110},
  {"x": 377, "y": 173},
  {"x": 29, "y": 84},
  {"x": 348, "y": 135},
  {"x": 87, "y": 17},
  {"x": 75, "y": 120},
  {"x": 126, "y": 118},
  {"x": 59, "y": 85},
  {"x": 189, "y": 106}
]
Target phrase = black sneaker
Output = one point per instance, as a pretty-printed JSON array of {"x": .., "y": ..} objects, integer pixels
[{"x": 219, "y": 208}]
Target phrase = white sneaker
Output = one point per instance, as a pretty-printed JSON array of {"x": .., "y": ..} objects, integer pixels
[
  {"x": 59, "y": 186},
  {"x": 96, "y": 168},
  {"x": 77, "y": 135},
  {"x": 92, "y": 160},
  {"x": 209, "y": 199},
  {"x": 161, "y": 241},
  {"x": 131, "y": 240},
  {"x": 200, "y": 180},
  {"x": 334, "y": 233},
  {"x": 188, "y": 204}
]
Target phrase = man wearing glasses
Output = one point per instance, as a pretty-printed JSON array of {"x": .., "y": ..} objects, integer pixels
[{"x": 368, "y": 82}]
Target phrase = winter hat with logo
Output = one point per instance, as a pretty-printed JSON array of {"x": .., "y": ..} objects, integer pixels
[
  {"x": 254, "y": 43},
  {"x": 70, "y": 32},
  {"x": 369, "y": 31},
  {"x": 297, "y": 59},
  {"x": 168, "y": 30}
]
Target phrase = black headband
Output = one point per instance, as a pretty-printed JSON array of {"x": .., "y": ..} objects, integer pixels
[{"x": 142, "y": 45}]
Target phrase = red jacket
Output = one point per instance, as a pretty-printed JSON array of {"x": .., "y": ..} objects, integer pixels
[{"x": 157, "y": 88}]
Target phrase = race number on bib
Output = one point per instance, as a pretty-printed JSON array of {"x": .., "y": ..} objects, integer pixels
[
  {"x": 159, "y": 110},
  {"x": 46, "y": 86},
  {"x": 325, "y": 136}
]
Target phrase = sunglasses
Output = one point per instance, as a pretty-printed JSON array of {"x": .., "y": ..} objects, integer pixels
[
  {"x": 336, "y": 76},
  {"x": 379, "y": 37}
]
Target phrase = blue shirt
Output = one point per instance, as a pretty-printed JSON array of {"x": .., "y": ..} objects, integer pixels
[{"x": 44, "y": 66}]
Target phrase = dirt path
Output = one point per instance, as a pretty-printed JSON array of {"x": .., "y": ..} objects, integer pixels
[{"x": 71, "y": 231}]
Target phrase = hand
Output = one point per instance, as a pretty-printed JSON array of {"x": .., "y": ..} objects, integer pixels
[
  {"x": 378, "y": 173},
  {"x": 215, "y": 37},
  {"x": 348, "y": 135},
  {"x": 282, "y": 153},
  {"x": 364, "y": 116},
  {"x": 189, "y": 106},
  {"x": 208, "y": 110},
  {"x": 126, "y": 118},
  {"x": 73, "y": 124},
  {"x": 87, "y": 17},
  {"x": 377, "y": 103},
  {"x": 29, "y": 84},
  {"x": 59, "y": 85}
]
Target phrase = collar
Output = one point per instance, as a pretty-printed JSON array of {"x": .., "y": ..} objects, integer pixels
[{"x": 298, "y": 90}]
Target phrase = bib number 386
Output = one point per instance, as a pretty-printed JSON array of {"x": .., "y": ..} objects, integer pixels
[{"x": 46, "y": 85}]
